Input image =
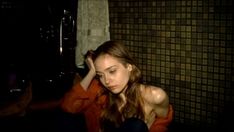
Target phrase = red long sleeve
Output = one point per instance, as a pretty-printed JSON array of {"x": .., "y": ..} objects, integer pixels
[
  {"x": 77, "y": 100},
  {"x": 161, "y": 124}
]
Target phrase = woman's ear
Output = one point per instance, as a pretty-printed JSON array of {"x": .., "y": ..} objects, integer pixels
[{"x": 129, "y": 67}]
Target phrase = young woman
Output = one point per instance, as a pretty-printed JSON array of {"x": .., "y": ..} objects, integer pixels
[{"x": 113, "y": 98}]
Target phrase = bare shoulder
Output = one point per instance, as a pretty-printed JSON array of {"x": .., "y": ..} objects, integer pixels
[
  {"x": 157, "y": 99},
  {"x": 155, "y": 95}
]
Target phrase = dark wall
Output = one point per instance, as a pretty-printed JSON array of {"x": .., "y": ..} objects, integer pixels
[
  {"x": 17, "y": 32},
  {"x": 30, "y": 42}
]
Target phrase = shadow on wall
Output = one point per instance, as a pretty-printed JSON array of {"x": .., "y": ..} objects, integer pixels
[
  {"x": 226, "y": 119},
  {"x": 224, "y": 124}
]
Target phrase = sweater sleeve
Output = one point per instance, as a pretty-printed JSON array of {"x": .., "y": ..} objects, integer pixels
[
  {"x": 161, "y": 124},
  {"x": 77, "y": 99}
]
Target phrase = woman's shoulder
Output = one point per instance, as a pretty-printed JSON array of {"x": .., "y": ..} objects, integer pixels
[{"x": 153, "y": 94}]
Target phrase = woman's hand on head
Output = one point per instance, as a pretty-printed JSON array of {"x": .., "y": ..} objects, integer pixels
[
  {"x": 85, "y": 82},
  {"x": 90, "y": 64}
]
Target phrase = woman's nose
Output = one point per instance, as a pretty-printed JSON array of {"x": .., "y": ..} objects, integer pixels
[{"x": 107, "y": 80}]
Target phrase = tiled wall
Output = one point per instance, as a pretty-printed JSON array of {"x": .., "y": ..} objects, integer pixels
[{"x": 185, "y": 47}]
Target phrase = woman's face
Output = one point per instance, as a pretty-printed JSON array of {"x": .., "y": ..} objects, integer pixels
[{"x": 112, "y": 74}]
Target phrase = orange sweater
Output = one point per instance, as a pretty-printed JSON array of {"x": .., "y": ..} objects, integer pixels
[{"x": 77, "y": 100}]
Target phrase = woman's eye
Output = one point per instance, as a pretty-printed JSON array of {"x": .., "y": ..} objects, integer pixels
[{"x": 112, "y": 71}]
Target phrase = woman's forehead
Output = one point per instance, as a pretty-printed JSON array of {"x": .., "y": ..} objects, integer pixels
[
  {"x": 105, "y": 61},
  {"x": 105, "y": 57}
]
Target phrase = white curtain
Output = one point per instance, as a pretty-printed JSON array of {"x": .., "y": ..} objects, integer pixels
[{"x": 92, "y": 27}]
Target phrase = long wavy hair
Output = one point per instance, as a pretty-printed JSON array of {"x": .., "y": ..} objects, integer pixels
[{"x": 111, "y": 116}]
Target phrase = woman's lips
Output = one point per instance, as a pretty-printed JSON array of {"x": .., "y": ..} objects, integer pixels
[{"x": 112, "y": 87}]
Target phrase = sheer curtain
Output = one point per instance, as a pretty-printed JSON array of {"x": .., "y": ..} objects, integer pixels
[{"x": 92, "y": 27}]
